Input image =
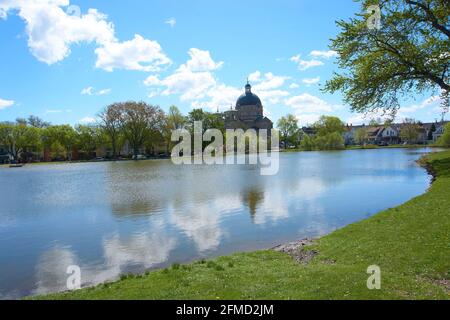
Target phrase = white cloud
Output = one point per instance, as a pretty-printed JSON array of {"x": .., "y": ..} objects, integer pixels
[
  {"x": 305, "y": 64},
  {"x": 52, "y": 29},
  {"x": 269, "y": 82},
  {"x": 6, "y": 103},
  {"x": 433, "y": 101},
  {"x": 191, "y": 80},
  {"x": 200, "y": 61},
  {"x": 54, "y": 111},
  {"x": 104, "y": 92},
  {"x": 323, "y": 54},
  {"x": 307, "y": 119},
  {"x": 87, "y": 120},
  {"x": 255, "y": 76},
  {"x": 195, "y": 81},
  {"x": 311, "y": 81},
  {"x": 90, "y": 91},
  {"x": 309, "y": 104},
  {"x": 294, "y": 86},
  {"x": 171, "y": 22},
  {"x": 138, "y": 54},
  {"x": 190, "y": 85}
]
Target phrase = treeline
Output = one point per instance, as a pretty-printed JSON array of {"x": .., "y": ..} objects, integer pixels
[
  {"x": 139, "y": 124},
  {"x": 326, "y": 134}
]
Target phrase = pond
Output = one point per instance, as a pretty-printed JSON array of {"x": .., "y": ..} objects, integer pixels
[{"x": 112, "y": 218}]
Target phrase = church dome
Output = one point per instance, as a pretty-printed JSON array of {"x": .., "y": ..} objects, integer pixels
[{"x": 248, "y": 98}]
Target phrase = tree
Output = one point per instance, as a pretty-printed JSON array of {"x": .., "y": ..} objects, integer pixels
[
  {"x": 209, "y": 120},
  {"x": 111, "y": 122},
  {"x": 307, "y": 143},
  {"x": 139, "y": 122},
  {"x": 174, "y": 120},
  {"x": 89, "y": 138},
  {"x": 329, "y": 132},
  {"x": 37, "y": 122},
  {"x": 410, "y": 51},
  {"x": 432, "y": 130},
  {"x": 361, "y": 136},
  {"x": 61, "y": 135},
  {"x": 410, "y": 131},
  {"x": 289, "y": 130},
  {"x": 444, "y": 140},
  {"x": 18, "y": 137}
]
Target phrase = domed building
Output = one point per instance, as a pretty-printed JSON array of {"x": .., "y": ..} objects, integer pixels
[{"x": 248, "y": 113}]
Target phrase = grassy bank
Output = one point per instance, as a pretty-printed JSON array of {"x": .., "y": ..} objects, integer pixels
[{"x": 409, "y": 243}]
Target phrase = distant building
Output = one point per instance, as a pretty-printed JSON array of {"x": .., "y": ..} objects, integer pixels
[
  {"x": 248, "y": 113},
  {"x": 440, "y": 128}
]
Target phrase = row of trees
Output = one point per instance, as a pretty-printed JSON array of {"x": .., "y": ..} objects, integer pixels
[
  {"x": 25, "y": 137},
  {"x": 138, "y": 123},
  {"x": 327, "y": 130}
]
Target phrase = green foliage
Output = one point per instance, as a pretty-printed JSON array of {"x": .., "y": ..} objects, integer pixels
[
  {"x": 289, "y": 130},
  {"x": 361, "y": 136},
  {"x": 209, "y": 120},
  {"x": 329, "y": 132},
  {"x": 410, "y": 131},
  {"x": 307, "y": 143},
  {"x": 444, "y": 140},
  {"x": 408, "y": 53},
  {"x": 19, "y": 137}
]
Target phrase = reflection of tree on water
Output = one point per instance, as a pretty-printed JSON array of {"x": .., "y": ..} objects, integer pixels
[
  {"x": 252, "y": 198},
  {"x": 132, "y": 190}
]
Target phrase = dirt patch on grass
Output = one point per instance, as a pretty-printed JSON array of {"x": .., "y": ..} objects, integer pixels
[
  {"x": 297, "y": 250},
  {"x": 444, "y": 283}
]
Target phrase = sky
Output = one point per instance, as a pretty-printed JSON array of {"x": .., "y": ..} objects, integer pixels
[{"x": 65, "y": 60}]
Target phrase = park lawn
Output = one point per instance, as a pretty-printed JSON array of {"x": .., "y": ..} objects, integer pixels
[{"x": 410, "y": 243}]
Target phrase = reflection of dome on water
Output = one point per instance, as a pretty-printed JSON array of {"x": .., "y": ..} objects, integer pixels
[{"x": 248, "y": 98}]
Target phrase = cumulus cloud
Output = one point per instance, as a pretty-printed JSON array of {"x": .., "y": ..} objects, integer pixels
[
  {"x": 87, "y": 120},
  {"x": 6, "y": 103},
  {"x": 309, "y": 104},
  {"x": 323, "y": 54},
  {"x": 200, "y": 61},
  {"x": 53, "y": 26},
  {"x": 51, "y": 30},
  {"x": 294, "y": 86},
  {"x": 306, "y": 64},
  {"x": 138, "y": 54}
]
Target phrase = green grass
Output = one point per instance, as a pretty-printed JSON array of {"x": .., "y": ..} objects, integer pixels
[{"x": 409, "y": 243}]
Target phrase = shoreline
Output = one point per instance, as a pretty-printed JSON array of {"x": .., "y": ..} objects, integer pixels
[
  {"x": 311, "y": 256},
  {"x": 280, "y": 151}
]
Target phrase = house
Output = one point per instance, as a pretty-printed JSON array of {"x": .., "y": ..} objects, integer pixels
[
  {"x": 439, "y": 131},
  {"x": 389, "y": 134}
]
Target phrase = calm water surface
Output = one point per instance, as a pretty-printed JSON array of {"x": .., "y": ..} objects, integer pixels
[{"x": 113, "y": 218}]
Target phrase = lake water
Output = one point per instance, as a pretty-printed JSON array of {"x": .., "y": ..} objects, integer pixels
[{"x": 114, "y": 218}]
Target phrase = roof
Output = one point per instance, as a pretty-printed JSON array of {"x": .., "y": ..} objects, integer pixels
[{"x": 248, "y": 98}]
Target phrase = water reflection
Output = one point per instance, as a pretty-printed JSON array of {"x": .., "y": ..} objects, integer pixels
[
  {"x": 120, "y": 255},
  {"x": 113, "y": 218}
]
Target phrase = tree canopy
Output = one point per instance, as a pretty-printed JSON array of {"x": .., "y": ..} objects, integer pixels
[{"x": 410, "y": 51}]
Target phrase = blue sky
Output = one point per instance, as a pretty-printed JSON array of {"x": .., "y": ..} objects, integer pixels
[{"x": 65, "y": 60}]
